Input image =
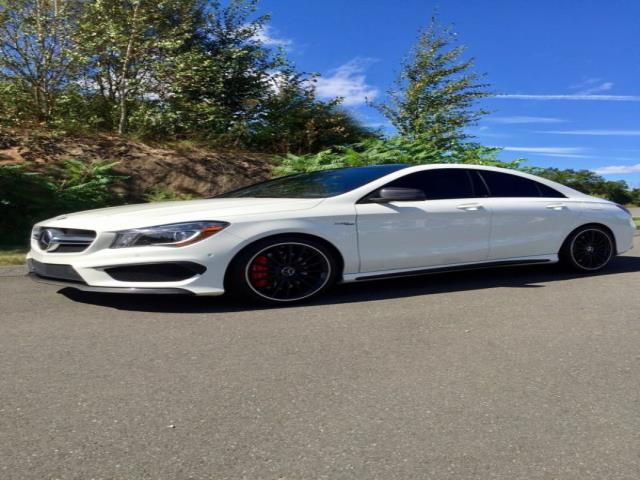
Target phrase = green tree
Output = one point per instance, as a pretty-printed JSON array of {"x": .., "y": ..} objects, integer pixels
[
  {"x": 36, "y": 37},
  {"x": 218, "y": 86},
  {"x": 436, "y": 90},
  {"x": 294, "y": 120},
  {"x": 123, "y": 44}
]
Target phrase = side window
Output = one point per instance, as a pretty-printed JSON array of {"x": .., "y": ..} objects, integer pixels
[
  {"x": 549, "y": 192},
  {"x": 506, "y": 185},
  {"x": 439, "y": 184},
  {"x": 479, "y": 186}
]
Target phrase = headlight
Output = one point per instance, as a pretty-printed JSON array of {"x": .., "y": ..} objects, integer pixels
[{"x": 173, "y": 235}]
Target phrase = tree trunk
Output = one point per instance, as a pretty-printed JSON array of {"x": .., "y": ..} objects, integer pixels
[
  {"x": 123, "y": 84},
  {"x": 122, "y": 124}
]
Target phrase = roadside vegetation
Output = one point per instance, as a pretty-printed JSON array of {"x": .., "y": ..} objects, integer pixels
[
  {"x": 12, "y": 255},
  {"x": 187, "y": 75}
]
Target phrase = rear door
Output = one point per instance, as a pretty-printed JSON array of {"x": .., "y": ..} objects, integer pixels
[
  {"x": 529, "y": 218},
  {"x": 451, "y": 226}
]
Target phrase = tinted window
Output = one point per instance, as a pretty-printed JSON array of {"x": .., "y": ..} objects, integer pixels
[
  {"x": 321, "y": 184},
  {"x": 505, "y": 185},
  {"x": 479, "y": 186},
  {"x": 439, "y": 184},
  {"x": 546, "y": 191}
]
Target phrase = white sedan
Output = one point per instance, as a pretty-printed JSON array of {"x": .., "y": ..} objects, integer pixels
[{"x": 291, "y": 238}]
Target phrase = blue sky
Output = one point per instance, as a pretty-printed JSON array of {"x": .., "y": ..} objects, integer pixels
[{"x": 567, "y": 71}]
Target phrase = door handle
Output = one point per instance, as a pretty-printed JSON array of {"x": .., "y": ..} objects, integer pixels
[
  {"x": 556, "y": 206},
  {"x": 470, "y": 207}
]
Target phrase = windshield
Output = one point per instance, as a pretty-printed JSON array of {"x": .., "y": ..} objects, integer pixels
[{"x": 321, "y": 184}]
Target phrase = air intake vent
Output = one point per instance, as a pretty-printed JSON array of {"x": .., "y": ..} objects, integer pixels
[{"x": 156, "y": 272}]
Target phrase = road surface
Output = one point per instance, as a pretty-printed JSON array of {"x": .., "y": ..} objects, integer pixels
[{"x": 528, "y": 373}]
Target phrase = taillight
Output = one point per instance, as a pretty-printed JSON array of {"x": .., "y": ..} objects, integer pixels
[{"x": 622, "y": 207}]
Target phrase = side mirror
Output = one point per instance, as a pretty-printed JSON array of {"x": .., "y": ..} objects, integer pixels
[{"x": 397, "y": 194}]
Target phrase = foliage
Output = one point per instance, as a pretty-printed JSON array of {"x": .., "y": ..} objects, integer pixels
[
  {"x": 35, "y": 44},
  {"x": 294, "y": 120},
  {"x": 123, "y": 44},
  {"x": 12, "y": 256},
  {"x": 435, "y": 91},
  {"x": 165, "y": 195},
  {"x": 27, "y": 197},
  {"x": 395, "y": 150},
  {"x": 161, "y": 70}
]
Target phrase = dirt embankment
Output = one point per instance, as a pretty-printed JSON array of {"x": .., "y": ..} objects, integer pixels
[{"x": 185, "y": 170}]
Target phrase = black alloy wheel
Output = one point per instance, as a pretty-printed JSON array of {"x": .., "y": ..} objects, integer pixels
[
  {"x": 589, "y": 249},
  {"x": 283, "y": 271}
]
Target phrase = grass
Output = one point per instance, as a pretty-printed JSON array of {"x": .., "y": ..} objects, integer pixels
[
  {"x": 637, "y": 220},
  {"x": 12, "y": 255}
]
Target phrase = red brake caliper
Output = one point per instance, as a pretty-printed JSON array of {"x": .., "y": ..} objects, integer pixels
[{"x": 259, "y": 271}]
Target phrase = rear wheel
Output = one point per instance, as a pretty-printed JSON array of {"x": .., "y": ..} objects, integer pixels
[
  {"x": 588, "y": 249},
  {"x": 282, "y": 270}
]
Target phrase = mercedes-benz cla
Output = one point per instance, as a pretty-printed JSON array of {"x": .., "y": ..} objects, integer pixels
[{"x": 291, "y": 238}]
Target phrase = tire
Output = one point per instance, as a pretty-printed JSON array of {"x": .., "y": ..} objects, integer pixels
[
  {"x": 282, "y": 270},
  {"x": 588, "y": 249}
]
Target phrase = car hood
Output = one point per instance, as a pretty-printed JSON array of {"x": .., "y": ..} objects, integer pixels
[{"x": 150, "y": 214}]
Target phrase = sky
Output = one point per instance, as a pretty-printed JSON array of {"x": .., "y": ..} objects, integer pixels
[{"x": 566, "y": 73}]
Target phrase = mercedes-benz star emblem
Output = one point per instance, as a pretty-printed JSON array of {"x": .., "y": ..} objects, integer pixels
[{"x": 46, "y": 236}]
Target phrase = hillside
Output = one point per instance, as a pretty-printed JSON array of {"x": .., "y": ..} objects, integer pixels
[{"x": 181, "y": 169}]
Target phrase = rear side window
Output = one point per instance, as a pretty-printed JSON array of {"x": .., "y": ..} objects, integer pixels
[
  {"x": 439, "y": 184},
  {"x": 506, "y": 185},
  {"x": 546, "y": 191}
]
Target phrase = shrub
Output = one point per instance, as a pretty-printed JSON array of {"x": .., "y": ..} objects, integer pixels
[
  {"x": 28, "y": 197},
  {"x": 165, "y": 195},
  {"x": 395, "y": 150}
]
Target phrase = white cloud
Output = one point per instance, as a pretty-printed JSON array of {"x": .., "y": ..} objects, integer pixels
[
  {"x": 522, "y": 120},
  {"x": 618, "y": 169},
  {"x": 562, "y": 152},
  {"x": 546, "y": 150},
  {"x": 621, "y": 133},
  {"x": 591, "y": 86},
  {"x": 349, "y": 82},
  {"x": 269, "y": 38},
  {"x": 574, "y": 97}
]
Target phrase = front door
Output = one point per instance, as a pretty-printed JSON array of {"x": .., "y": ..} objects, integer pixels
[{"x": 452, "y": 226}]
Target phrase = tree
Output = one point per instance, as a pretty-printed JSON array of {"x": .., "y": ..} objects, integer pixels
[
  {"x": 296, "y": 121},
  {"x": 123, "y": 45},
  {"x": 216, "y": 85},
  {"x": 36, "y": 37},
  {"x": 436, "y": 90}
]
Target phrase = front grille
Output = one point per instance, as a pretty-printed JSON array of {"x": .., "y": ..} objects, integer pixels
[
  {"x": 54, "y": 271},
  {"x": 63, "y": 240}
]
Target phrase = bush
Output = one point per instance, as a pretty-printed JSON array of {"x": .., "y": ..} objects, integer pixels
[
  {"x": 165, "y": 195},
  {"x": 28, "y": 197},
  {"x": 395, "y": 150}
]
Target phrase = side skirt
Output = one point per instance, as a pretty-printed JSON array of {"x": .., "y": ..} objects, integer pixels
[{"x": 455, "y": 268}]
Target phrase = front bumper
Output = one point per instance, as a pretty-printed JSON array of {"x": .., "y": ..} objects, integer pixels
[{"x": 93, "y": 269}]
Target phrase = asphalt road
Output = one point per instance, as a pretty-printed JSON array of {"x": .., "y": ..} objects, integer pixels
[{"x": 526, "y": 373}]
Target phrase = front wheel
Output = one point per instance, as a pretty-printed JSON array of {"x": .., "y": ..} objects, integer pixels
[
  {"x": 588, "y": 249},
  {"x": 282, "y": 270}
]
